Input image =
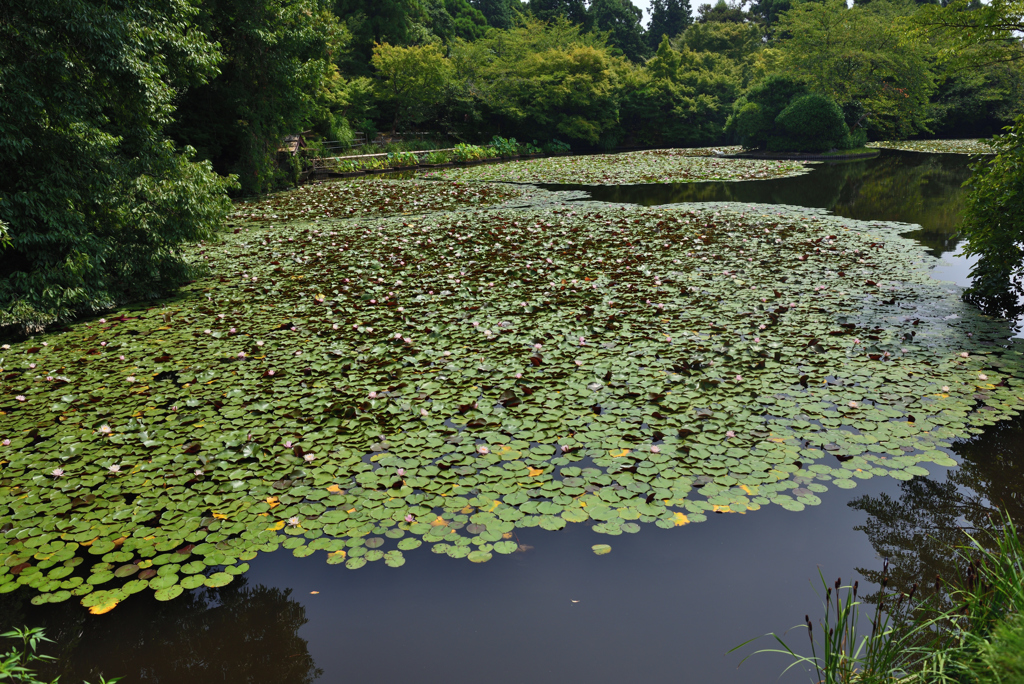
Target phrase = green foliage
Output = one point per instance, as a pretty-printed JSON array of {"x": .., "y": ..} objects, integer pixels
[
  {"x": 679, "y": 98},
  {"x": 269, "y": 47},
  {"x": 17, "y": 665},
  {"x": 400, "y": 160},
  {"x": 620, "y": 19},
  {"x": 504, "y": 147},
  {"x": 978, "y": 638},
  {"x": 1001, "y": 658},
  {"x": 733, "y": 40},
  {"x": 97, "y": 200},
  {"x": 498, "y": 13},
  {"x": 993, "y": 225},
  {"x": 754, "y": 113},
  {"x": 411, "y": 80},
  {"x": 861, "y": 54},
  {"x": 810, "y": 123},
  {"x": 541, "y": 77},
  {"x": 668, "y": 18},
  {"x": 468, "y": 153}
]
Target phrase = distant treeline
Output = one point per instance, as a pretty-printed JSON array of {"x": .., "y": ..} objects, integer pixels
[{"x": 124, "y": 124}]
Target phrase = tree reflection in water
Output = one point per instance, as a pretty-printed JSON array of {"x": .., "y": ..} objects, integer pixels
[
  {"x": 895, "y": 186},
  {"x": 919, "y": 530},
  {"x": 237, "y": 634}
]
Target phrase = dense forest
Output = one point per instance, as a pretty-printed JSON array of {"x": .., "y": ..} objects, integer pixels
[{"x": 124, "y": 126}]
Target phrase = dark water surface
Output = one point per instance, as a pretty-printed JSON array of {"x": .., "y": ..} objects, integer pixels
[{"x": 663, "y": 606}]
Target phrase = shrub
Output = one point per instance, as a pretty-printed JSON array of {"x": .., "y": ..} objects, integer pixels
[
  {"x": 402, "y": 159},
  {"x": 468, "y": 153},
  {"x": 811, "y": 123},
  {"x": 754, "y": 114},
  {"x": 556, "y": 146},
  {"x": 505, "y": 147},
  {"x": 994, "y": 225}
]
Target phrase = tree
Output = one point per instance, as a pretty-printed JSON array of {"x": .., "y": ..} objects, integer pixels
[
  {"x": 735, "y": 41},
  {"x": 499, "y": 13},
  {"x": 379, "y": 21},
  {"x": 549, "y": 10},
  {"x": 994, "y": 226},
  {"x": 722, "y": 12},
  {"x": 539, "y": 81},
  {"x": 679, "y": 97},
  {"x": 411, "y": 80},
  {"x": 810, "y": 123},
  {"x": 767, "y": 12},
  {"x": 621, "y": 20},
  {"x": 668, "y": 18},
  {"x": 277, "y": 60},
  {"x": 864, "y": 55},
  {"x": 754, "y": 113},
  {"x": 97, "y": 199}
]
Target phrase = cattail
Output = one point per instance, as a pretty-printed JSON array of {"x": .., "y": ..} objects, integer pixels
[
  {"x": 938, "y": 583},
  {"x": 810, "y": 627},
  {"x": 838, "y": 582},
  {"x": 913, "y": 588},
  {"x": 855, "y": 584}
]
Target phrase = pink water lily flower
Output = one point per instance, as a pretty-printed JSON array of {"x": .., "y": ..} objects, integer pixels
[
  {"x": 964, "y": 354},
  {"x": 57, "y": 472},
  {"x": 114, "y": 469},
  {"x": 483, "y": 450},
  {"x": 288, "y": 445},
  {"x": 241, "y": 355},
  {"x": 655, "y": 449},
  {"x": 945, "y": 388},
  {"x": 6, "y": 442},
  {"x": 982, "y": 376},
  {"x": 105, "y": 429},
  {"x": 408, "y": 517},
  {"x": 730, "y": 433},
  {"x": 197, "y": 472},
  {"x": 20, "y": 397},
  {"x": 308, "y": 457},
  {"x": 293, "y": 521},
  {"x": 852, "y": 404},
  {"x": 738, "y": 378}
]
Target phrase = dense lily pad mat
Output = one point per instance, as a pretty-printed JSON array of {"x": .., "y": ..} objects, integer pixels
[
  {"x": 966, "y": 146},
  {"x": 649, "y": 166},
  {"x": 365, "y": 387},
  {"x": 370, "y": 197}
]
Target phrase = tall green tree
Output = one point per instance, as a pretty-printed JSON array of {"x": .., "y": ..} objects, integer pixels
[
  {"x": 539, "y": 81},
  {"x": 668, "y": 18},
  {"x": 499, "y": 13},
  {"x": 994, "y": 226},
  {"x": 97, "y": 199},
  {"x": 411, "y": 80},
  {"x": 621, "y": 20},
  {"x": 376, "y": 21},
  {"x": 861, "y": 56},
  {"x": 722, "y": 11},
  {"x": 277, "y": 60},
  {"x": 549, "y": 10}
]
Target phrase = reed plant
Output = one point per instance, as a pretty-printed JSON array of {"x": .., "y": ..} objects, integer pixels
[{"x": 970, "y": 631}]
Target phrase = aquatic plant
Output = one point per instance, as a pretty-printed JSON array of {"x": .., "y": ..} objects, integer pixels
[
  {"x": 362, "y": 386},
  {"x": 966, "y": 146},
  {"x": 649, "y": 166},
  {"x": 18, "y": 665}
]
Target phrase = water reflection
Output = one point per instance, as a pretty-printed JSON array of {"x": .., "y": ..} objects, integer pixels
[
  {"x": 238, "y": 633},
  {"x": 895, "y": 186},
  {"x": 919, "y": 529}
]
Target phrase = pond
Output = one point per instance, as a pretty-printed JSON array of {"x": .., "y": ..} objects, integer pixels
[{"x": 663, "y": 605}]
